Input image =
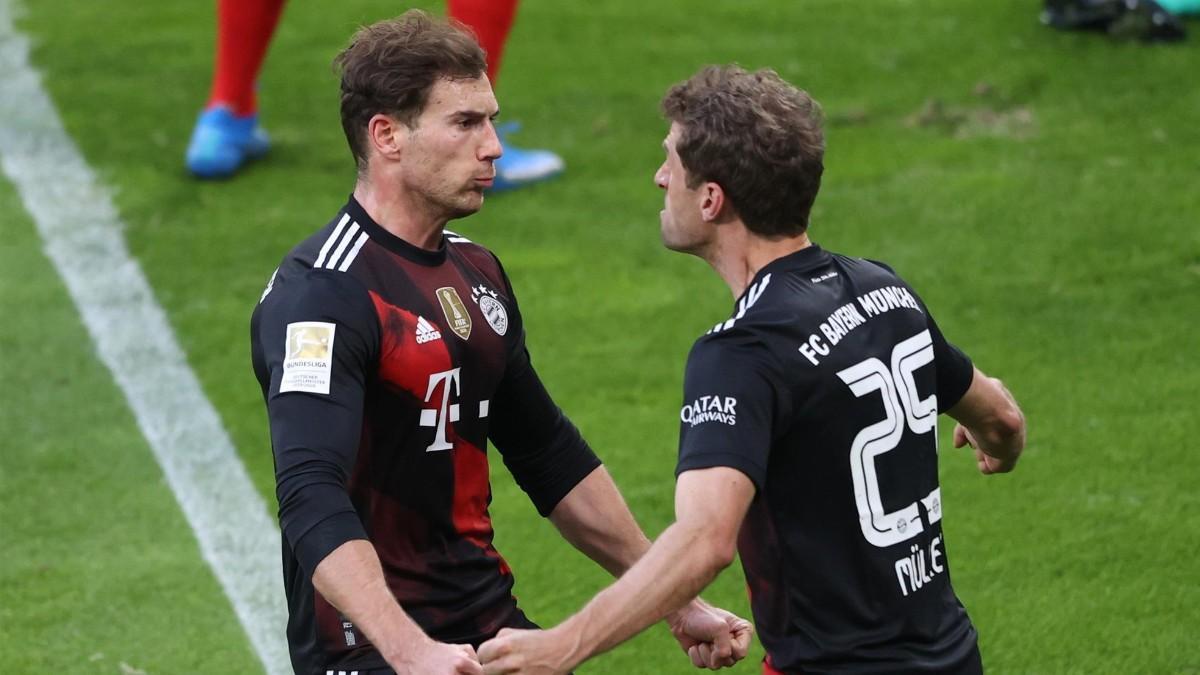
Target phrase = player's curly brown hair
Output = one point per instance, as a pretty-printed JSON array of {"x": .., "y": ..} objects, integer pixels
[
  {"x": 756, "y": 136},
  {"x": 391, "y": 65}
]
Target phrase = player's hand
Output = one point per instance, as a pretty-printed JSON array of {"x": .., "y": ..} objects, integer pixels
[
  {"x": 438, "y": 658},
  {"x": 525, "y": 652},
  {"x": 712, "y": 637},
  {"x": 987, "y": 464}
]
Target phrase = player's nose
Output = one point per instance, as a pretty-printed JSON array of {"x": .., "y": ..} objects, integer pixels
[
  {"x": 491, "y": 149},
  {"x": 660, "y": 176}
]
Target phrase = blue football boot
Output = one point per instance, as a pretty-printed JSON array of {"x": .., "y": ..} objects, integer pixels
[
  {"x": 222, "y": 142},
  {"x": 518, "y": 167}
]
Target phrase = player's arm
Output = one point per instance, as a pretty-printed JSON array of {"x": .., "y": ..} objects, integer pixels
[
  {"x": 553, "y": 464},
  {"x": 710, "y": 505},
  {"x": 316, "y": 422},
  {"x": 988, "y": 417},
  {"x": 352, "y": 580},
  {"x": 991, "y": 422},
  {"x": 720, "y": 465},
  {"x": 594, "y": 518},
  {"x": 542, "y": 449},
  {"x": 566, "y": 482}
]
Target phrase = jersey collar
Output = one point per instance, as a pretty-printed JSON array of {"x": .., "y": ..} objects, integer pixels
[
  {"x": 390, "y": 241},
  {"x": 807, "y": 258}
]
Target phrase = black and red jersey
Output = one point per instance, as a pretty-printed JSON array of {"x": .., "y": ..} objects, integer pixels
[
  {"x": 386, "y": 368},
  {"x": 824, "y": 389}
]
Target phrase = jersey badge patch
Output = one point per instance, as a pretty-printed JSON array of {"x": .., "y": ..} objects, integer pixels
[
  {"x": 426, "y": 332},
  {"x": 308, "y": 357},
  {"x": 721, "y": 409},
  {"x": 491, "y": 308},
  {"x": 455, "y": 311}
]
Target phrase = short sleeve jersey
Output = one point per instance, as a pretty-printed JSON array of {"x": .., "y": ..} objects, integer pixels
[
  {"x": 386, "y": 368},
  {"x": 824, "y": 389}
]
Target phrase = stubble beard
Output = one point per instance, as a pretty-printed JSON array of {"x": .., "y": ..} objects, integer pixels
[
  {"x": 455, "y": 203},
  {"x": 465, "y": 204},
  {"x": 674, "y": 239}
]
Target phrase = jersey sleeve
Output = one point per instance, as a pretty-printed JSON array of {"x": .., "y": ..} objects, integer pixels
[
  {"x": 316, "y": 340},
  {"x": 733, "y": 404},
  {"x": 954, "y": 368},
  {"x": 541, "y": 447}
]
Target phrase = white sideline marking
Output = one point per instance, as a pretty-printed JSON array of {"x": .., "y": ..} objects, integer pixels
[{"x": 81, "y": 233}]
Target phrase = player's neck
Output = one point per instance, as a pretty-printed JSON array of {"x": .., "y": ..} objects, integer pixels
[
  {"x": 393, "y": 211},
  {"x": 738, "y": 256}
]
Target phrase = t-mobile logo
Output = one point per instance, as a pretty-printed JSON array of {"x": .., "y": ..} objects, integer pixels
[{"x": 436, "y": 417}]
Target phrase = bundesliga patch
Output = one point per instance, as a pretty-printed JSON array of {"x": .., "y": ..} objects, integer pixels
[
  {"x": 491, "y": 308},
  {"x": 721, "y": 409},
  {"x": 308, "y": 357}
]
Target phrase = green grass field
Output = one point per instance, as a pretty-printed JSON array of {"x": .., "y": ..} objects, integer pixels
[{"x": 1041, "y": 190}]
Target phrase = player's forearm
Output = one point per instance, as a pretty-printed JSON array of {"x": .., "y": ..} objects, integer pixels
[
  {"x": 598, "y": 523},
  {"x": 682, "y": 561},
  {"x": 596, "y": 520},
  {"x": 990, "y": 414},
  {"x": 1002, "y": 433},
  {"x": 352, "y": 580}
]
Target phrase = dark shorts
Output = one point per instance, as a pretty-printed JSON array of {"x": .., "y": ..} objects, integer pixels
[
  {"x": 971, "y": 665},
  {"x": 515, "y": 620}
]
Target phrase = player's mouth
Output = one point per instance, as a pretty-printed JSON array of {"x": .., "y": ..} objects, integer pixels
[{"x": 485, "y": 181}]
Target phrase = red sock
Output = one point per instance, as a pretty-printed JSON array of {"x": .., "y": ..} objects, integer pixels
[
  {"x": 244, "y": 30},
  {"x": 491, "y": 21}
]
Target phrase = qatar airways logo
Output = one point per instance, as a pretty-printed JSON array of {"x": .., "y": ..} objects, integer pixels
[{"x": 721, "y": 409}]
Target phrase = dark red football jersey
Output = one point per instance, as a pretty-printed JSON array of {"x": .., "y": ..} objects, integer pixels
[{"x": 386, "y": 368}]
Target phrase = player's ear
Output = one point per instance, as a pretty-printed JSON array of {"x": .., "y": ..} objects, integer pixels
[
  {"x": 386, "y": 136},
  {"x": 712, "y": 201}
]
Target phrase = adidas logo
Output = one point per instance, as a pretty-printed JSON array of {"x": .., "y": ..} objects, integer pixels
[{"x": 426, "y": 332}]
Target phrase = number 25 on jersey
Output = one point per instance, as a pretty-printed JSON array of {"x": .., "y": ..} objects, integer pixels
[{"x": 902, "y": 407}]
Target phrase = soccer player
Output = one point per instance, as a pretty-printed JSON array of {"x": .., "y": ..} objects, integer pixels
[
  {"x": 808, "y": 432},
  {"x": 228, "y": 133},
  {"x": 389, "y": 352}
]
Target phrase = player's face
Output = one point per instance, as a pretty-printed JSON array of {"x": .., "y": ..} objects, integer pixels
[
  {"x": 682, "y": 227},
  {"x": 449, "y": 154}
]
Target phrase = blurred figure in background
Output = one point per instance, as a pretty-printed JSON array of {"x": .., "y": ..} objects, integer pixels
[
  {"x": 1181, "y": 7},
  {"x": 1148, "y": 20},
  {"x": 229, "y": 133}
]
